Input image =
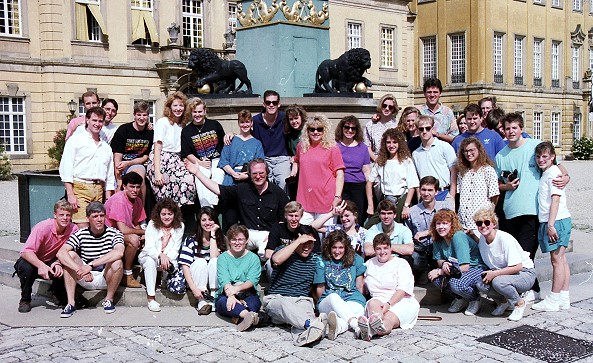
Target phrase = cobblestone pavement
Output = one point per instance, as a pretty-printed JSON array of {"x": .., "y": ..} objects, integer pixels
[{"x": 424, "y": 343}]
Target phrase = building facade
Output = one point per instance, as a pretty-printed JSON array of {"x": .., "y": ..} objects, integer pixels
[
  {"x": 52, "y": 51},
  {"x": 531, "y": 54}
]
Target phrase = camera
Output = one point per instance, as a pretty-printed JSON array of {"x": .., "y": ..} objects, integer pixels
[
  {"x": 510, "y": 176},
  {"x": 454, "y": 272}
]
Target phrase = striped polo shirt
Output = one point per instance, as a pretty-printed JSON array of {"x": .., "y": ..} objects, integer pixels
[{"x": 90, "y": 247}]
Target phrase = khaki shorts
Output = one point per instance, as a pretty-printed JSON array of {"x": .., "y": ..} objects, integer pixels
[
  {"x": 98, "y": 283},
  {"x": 85, "y": 193}
]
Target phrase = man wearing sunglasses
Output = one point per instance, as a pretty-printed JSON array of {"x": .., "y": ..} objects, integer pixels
[
  {"x": 268, "y": 127},
  {"x": 445, "y": 127}
]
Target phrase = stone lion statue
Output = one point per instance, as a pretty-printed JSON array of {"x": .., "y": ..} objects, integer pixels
[
  {"x": 343, "y": 73},
  {"x": 218, "y": 73}
]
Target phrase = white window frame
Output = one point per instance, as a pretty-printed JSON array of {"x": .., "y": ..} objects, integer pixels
[
  {"x": 458, "y": 58},
  {"x": 591, "y": 56},
  {"x": 537, "y": 125},
  {"x": 498, "y": 57},
  {"x": 388, "y": 47},
  {"x": 576, "y": 126},
  {"x": 429, "y": 58},
  {"x": 232, "y": 16},
  {"x": 518, "y": 59},
  {"x": 556, "y": 61},
  {"x": 577, "y": 5},
  {"x": 557, "y": 3},
  {"x": 353, "y": 35},
  {"x": 11, "y": 17},
  {"x": 192, "y": 23},
  {"x": 538, "y": 60},
  {"x": 151, "y": 110},
  {"x": 576, "y": 65},
  {"x": 555, "y": 127},
  {"x": 13, "y": 117},
  {"x": 94, "y": 30},
  {"x": 142, "y": 4}
]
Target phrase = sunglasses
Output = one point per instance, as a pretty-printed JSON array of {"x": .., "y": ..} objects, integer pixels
[
  {"x": 427, "y": 128},
  {"x": 270, "y": 103},
  {"x": 389, "y": 107},
  {"x": 486, "y": 223},
  {"x": 313, "y": 129},
  {"x": 352, "y": 128}
]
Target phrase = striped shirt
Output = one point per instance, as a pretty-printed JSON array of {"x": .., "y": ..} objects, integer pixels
[
  {"x": 294, "y": 277},
  {"x": 189, "y": 251},
  {"x": 90, "y": 247}
]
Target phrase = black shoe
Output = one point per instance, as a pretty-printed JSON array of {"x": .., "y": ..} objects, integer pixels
[{"x": 24, "y": 306}]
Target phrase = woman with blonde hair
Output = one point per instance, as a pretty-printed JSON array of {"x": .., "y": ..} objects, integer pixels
[
  {"x": 321, "y": 177},
  {"x": 165, "y": 170},
  {"x": 458, "y": 260},
  {"x": 477, "y": 181},
  {"x": 387, "y": 110},
  {"x": 407, "y": 126}
]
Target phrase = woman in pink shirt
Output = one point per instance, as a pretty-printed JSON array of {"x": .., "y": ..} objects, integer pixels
[{"x": 321, "y": 177}]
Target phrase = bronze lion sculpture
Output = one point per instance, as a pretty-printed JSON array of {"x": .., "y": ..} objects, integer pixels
[
  {"x": 343, "y": 73},
  {"x": 219, "y": 74}
]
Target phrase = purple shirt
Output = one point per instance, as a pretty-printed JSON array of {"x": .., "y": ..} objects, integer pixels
[{"x": 354, "y": 159}]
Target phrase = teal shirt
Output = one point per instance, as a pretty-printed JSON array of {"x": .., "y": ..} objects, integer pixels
[
  {"x": 339, "y": 279},
  {"x": 523, "y": 200},
  {"x": 401, "y": 234},
  {"x": 462, "y": 247},
  {"x": 233, "y": 270}
]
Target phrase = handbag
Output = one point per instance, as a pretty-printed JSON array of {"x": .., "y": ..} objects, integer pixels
[{"x": 176, "y": 282}]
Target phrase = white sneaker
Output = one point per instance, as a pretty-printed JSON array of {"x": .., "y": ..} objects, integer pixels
[
  {"x": 564, "y": 301},
  {"x": 500, "y": 309},
  {"x": 457, "y": 305},
  {"x": 201, "y": 303},
  {"x": 530, "y": 296},
  {"x": 154, "y": 306},
  {"x": 547, "y": 304},
  {"x": 473, "y": 308},
  {"x": 517, "y": 313}
]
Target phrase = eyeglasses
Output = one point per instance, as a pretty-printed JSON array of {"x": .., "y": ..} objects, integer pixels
[
  {"x": 270, "y": 103},
  {"x": 389, "y": 107},
  {"x": 427, "y": 128},
  {"x": 352, "y": 128},
  {"x": 470, "y": 151},
  {"x": 313, "y": 129},
  {"x": 486, "y": 223}
]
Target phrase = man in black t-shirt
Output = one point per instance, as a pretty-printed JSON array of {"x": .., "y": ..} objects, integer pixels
[{"x": 131, "y": 145}]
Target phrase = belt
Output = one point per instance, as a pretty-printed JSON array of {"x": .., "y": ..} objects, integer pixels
[
  {"x": 89, "y": 181},
  {"x": 444, "y": 188}
]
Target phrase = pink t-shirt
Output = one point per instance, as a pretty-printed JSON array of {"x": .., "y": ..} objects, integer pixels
[
  {"x": 317, "y": 177},
  {"x": 119, "y": 209},
  {"x": 45, "y": 242}
]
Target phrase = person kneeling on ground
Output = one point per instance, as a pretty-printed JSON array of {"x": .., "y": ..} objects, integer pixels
[
  {"x": 390, "y": 282},
  {"x": 238, "y": 272},
  {"x": 38, "y": 257},
  {"x": 92, "y": 259},
  {"x": 292, "y": 279}
]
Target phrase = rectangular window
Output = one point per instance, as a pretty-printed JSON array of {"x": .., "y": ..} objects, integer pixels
[
  {"x": 538, "y": 51},
  {"x": 555, "y": 128},
  {"x": 232, "y": 17},
  {"x": 556, "y": 3},
  {"x": 556, "y": 64},
  {"x": 577, "y": 5},
  {"x": 576, "y": 67},
  {"x": 591, "y": 57},
  {"x": 387, "y": 47},
  {"x": 576, "y": 127},
  {"x": 193, "y": 23},
  {"x": 429, "y": 58},
  {"x": 497, "y": 48},
  {"x": 144, "y": 29},
  {"x": 354, "y": 35},
  {"x": 90, "y": 25},
  {"x": 12, "y": 124},
  {"x": 10, "y": 17},
  {"x": 537, "y": 125},
  {"x": 458, "y": 58},
  {"x": 518, "y": 58}
]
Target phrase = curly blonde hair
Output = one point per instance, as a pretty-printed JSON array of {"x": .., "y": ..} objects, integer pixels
[
  {"x": 445, "y": 215},
  {"x": 192, "y": 103},
  {"x": 403, "y": 152},
  {"x": 402, "y": 125},
  {"x": 463, "y": 165},
  {"x": 318, "y": 120},
  {"x": 167, "y": 112},
  {"x": 486, "y": 213}
]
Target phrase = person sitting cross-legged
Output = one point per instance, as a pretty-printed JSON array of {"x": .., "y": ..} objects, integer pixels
[{"x": 91, "y": 258}]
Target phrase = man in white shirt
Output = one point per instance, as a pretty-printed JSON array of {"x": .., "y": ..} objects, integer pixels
[{"x": 86, "y": 168}]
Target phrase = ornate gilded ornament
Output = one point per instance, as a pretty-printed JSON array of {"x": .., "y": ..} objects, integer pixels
[{"x": 301, "y": 12}]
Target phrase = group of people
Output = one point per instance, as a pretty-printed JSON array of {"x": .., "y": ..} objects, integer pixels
[{"x": 413, "y": 197}]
